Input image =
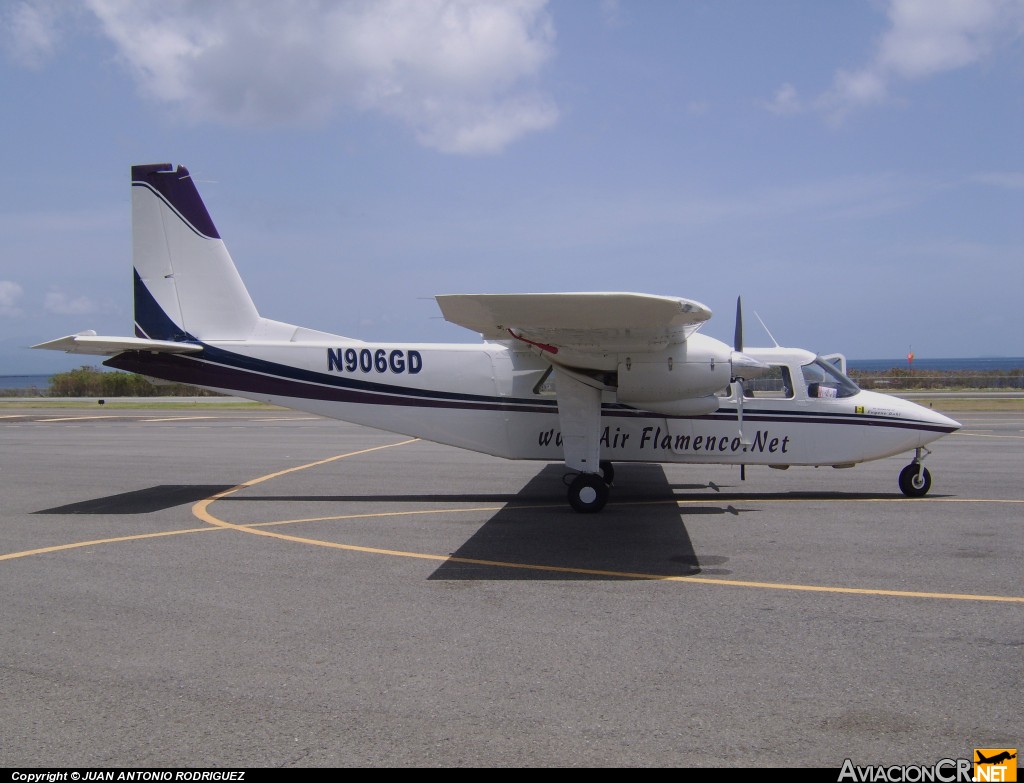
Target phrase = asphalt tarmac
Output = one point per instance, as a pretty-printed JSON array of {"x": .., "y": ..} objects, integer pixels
[{"x": 246, "y": 588}]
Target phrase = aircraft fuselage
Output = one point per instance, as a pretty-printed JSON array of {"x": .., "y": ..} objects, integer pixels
[{"x": 485, "y": 397}]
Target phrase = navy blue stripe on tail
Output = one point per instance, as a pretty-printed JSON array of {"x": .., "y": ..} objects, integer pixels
[
  {"x": 150, "y": 319},
  {"x": 178, "y": 190}
]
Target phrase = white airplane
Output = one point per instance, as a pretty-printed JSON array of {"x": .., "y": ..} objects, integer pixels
[{"x": 588, "y": 378}]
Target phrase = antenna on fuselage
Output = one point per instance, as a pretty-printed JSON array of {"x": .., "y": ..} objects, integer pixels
[{"x": 768, "y": 330}]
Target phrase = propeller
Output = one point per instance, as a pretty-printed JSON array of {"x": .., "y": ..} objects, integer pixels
[
  {"x": 743, "y": 368},
  {"x": 737, "y": 362},
  {"x": 737, "y": 351}
]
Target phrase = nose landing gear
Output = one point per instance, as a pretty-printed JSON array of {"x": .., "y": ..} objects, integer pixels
[{"x": 915, "y": 480}]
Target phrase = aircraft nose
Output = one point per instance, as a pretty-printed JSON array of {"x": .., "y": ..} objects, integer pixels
[
  {"x": 945, "y": 421},
  {"x": 936, "y": 419}
]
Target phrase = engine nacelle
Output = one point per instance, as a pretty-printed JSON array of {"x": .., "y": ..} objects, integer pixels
[{"x": 678, "y": 380}]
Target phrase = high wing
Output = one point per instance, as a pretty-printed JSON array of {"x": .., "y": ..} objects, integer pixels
[
  {"x": 578, "y": 322},
  {"x": 589, "y": 339},
  {"x": 91, "y": 344}
]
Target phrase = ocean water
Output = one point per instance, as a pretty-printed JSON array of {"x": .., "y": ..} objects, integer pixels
[
  {"x": 24, "y": 382},
  {"x": 923, "y": 363}
]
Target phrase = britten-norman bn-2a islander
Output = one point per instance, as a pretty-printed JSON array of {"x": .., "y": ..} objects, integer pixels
[{"x": 588, "y": 378}]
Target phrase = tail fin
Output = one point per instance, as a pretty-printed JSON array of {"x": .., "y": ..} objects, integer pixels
[{"x": 186, "y": 285}]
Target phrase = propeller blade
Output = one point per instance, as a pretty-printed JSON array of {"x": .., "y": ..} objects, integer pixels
[
  {"x": 739, "y": 405},
  {"x": 739, "y": 418},
  {"x": 737, "y": 340},
  {"x": 737, "y": 360},
  {"x": 740, "y": 394}
]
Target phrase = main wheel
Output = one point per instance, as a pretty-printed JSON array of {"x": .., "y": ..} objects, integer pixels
[
  {"x": 607, "y": 472},
  {"x": 588, "y": 493},
  {"x": 915, "y": 482}
]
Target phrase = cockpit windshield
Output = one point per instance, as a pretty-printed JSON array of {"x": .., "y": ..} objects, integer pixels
[{"x": 825, "y": 380}]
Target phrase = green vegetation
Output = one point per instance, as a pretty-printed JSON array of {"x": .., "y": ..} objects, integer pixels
[
  {"x": 954, "y": 404},
  {"x": 902, "y": 379},
  {"x": 136, "y": 403},
  {"x": 90, "y": 382}
]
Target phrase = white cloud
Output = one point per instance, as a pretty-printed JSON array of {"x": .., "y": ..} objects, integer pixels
[
  {"x": 611, "y": 13},
  {"x": 1012, "y": 180},
  {"x": 459, "y": 72},
  {"x": 932, "y": 36},
  {"x": 925, "y": 38},
  {"x": 786, "y": 101},
  {"x": 62, "y": 304},
  {"x": 29, "y": 32},
  {"x": 477, "y": 128},
  {"x": 10, "y": 293}
]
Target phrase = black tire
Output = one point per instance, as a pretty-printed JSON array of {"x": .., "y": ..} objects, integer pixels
[
  {"x": 588, "y": 493},
  {"x": 607, "y": 472},
  {"x": 915, "y": 484}
]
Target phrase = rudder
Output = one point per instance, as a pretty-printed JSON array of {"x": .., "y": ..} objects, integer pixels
[{"x": 186, "y": 284}]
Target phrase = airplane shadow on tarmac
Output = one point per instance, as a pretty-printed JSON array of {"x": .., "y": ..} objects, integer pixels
[
  {"x": 141, "y": 501},
  {"x": 640, "y": 534},
  {"x": 641, "y": 531}
]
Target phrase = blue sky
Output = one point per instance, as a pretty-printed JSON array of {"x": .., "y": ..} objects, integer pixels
[{"x": 854, "y": 170}]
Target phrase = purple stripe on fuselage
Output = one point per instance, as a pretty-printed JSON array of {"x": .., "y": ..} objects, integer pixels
[
  {"x": 727, "y": 414},
  {"x": 179, "y": 369},
  {"x": 198, "y": 372}
]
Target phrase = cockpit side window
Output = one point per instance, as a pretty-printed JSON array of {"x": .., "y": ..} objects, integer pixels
[{"x": 825, "y": 380}]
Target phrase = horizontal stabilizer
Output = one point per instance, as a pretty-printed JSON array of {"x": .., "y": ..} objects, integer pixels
[{"x": 97, "y": 345}]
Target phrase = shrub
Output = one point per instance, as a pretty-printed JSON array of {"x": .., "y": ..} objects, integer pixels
[{"x": 91, "y": 382}]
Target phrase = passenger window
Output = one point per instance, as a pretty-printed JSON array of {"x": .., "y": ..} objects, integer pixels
[
  {"x": 777, "y": 384},
  {"x": 774, "y": 384}
]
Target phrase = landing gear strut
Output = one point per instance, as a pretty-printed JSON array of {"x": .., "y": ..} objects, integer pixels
[{"x": 915, "y": 480}]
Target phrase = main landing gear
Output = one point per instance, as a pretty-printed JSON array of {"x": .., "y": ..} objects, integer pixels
[
  {"x": 588, "y": 492},
  {"x": 915, "y": 480}
]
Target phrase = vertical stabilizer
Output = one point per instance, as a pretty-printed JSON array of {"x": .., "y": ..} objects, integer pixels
[{"x": 186, "y": 285}]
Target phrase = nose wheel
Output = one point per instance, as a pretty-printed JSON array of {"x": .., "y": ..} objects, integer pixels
[
  {"x": 588, "y": 493},
  {"x": 915, "y": 480}
]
